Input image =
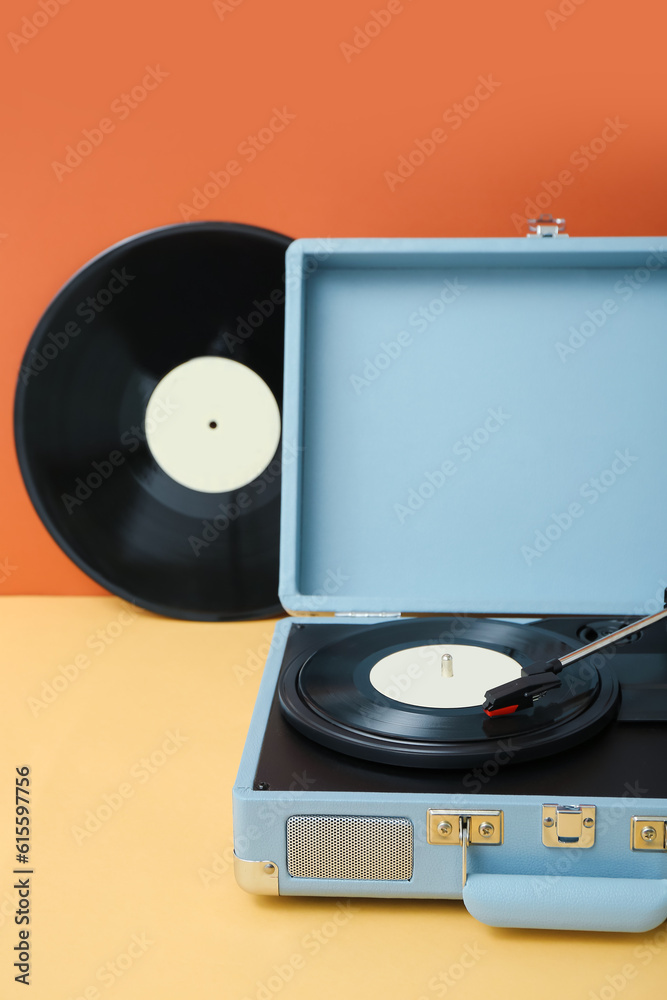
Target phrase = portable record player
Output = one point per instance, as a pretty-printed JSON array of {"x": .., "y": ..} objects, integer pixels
[{"x": 478, "y": 496}]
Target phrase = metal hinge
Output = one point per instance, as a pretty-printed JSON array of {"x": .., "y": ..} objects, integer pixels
[
  {"x": 464, "y": 828},
  {"x": 546, "y": 225},
  {"x": 568, "y": 826},
  {"x": 367, "y": 614},
  {"x": 649, "y": 833}
]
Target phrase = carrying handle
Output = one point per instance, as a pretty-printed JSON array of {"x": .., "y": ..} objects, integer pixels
[{"x": 556, "y": 902}]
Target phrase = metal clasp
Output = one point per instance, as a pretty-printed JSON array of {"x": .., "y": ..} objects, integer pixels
[
  {"x": 546, "y": 225},
  {"x": 465, "y": 828},
  {"x": 649, "y": 833},
  {"x": 568, "y": 826}
]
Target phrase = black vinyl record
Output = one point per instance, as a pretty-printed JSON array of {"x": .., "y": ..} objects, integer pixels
[
  {"x": 205, "y": 299},
  {"x": 327, "y": 695}
]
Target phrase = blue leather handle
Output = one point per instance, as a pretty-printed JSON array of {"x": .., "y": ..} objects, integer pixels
[{"x": 567, "y": 903}]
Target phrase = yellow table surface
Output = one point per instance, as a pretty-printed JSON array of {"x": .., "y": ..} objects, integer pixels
[{"x": 133, "y": 750}]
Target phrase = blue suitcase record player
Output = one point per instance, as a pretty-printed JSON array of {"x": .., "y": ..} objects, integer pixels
[{"x": 480, "y": 427}]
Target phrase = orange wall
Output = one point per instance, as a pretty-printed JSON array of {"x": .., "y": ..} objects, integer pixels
[{"x": 559, "y": 70}]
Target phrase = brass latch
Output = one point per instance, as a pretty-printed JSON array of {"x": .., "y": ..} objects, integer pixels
[
  {"x": 464, "y": 829},
  {"x": 649, "y": 833},
  {"x": 568, "y": 826}
]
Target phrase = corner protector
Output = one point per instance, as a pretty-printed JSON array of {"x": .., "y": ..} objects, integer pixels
[{"x": 257, "y": 877}]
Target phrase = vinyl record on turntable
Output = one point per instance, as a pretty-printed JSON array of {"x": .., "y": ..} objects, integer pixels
[
  {"x": 148, "y": 419},
  {"x": 410, "y": 693}
]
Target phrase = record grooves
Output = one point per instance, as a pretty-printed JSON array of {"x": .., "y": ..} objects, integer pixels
[{"x": 186, "y": 307}]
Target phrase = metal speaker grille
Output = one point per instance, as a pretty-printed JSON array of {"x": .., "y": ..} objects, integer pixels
[{"x": 362, "y": 847}]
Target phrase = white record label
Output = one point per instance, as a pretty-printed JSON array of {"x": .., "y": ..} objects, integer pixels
[
  {"x": 446, "y": 676},
  {"x": 212, "y": 424}
]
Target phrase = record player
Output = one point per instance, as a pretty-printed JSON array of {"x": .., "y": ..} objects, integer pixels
[{"x": 478, "y": 497}]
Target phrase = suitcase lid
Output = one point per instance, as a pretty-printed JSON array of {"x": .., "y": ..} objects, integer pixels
[{"x": 475, "y": 426}]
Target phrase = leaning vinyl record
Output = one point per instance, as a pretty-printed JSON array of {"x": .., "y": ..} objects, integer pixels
[{"x": 148, "y": 419}]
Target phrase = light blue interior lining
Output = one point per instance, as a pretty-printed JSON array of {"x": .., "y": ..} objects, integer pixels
[{"x": 480, "y": 427}]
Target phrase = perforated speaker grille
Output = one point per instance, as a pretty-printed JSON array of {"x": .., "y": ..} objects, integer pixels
[{"x": 363, "y": 847}]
